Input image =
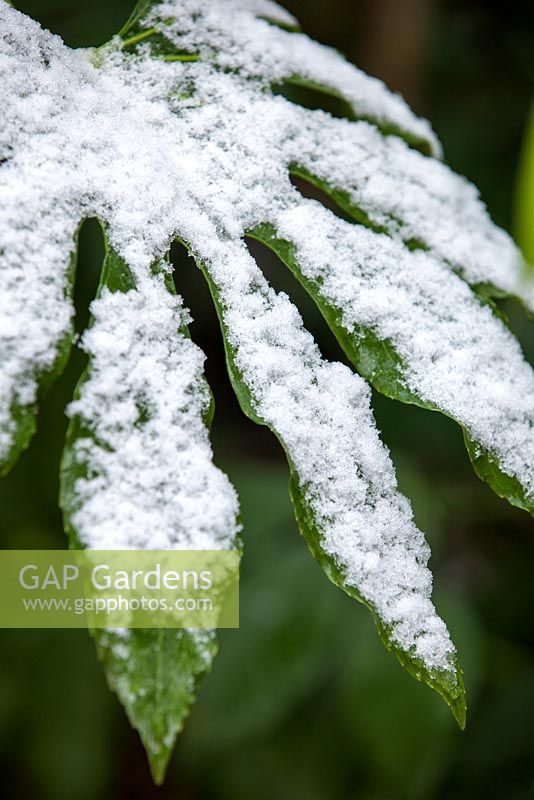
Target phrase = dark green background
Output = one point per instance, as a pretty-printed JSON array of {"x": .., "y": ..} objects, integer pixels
[{"x": 303, "y": 702}]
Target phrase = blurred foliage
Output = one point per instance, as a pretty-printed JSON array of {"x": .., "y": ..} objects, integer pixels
[
  {"x": 303, "y": 702},
  {"x": 525, "y": 193}
]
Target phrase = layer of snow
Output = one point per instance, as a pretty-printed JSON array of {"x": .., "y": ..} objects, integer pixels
[
  {"x": 235, "y": 37},
  {"x": 465, "y": 237},
  {"x": 457, "y": 354},
  {"x": 151, "y": 461}
]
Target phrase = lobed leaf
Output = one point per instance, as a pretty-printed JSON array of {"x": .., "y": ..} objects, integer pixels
[{"x": 175, "y": 129}]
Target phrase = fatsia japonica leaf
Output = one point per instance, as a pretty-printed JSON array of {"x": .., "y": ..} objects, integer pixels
[{"x": 179, "y": 129}]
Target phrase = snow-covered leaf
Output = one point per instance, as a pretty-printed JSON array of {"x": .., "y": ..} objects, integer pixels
[
  {"x": 343, "y": 488},
  {"x": 462, "y": 360},
  {"x": 179, "y": 128},
  {"x": 36, "y": 327},
  {"x": 137, "y": 473}
]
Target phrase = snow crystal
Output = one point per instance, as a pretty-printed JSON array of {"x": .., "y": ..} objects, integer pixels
[{"x": 202, "y": 150}]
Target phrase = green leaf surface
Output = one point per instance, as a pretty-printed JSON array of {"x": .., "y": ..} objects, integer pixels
[{"x": 155, "y": 674}]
